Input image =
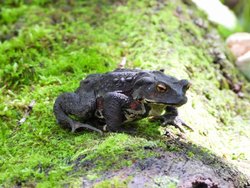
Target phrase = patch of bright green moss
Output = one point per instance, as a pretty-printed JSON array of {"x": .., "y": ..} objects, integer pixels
[
  {"x": 116, "y": 147},
  {"x": 113, "y": 182}
]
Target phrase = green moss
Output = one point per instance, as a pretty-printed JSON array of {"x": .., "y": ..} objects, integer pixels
[
  {"x": 10, "y": 15},
  {"x": 116, "y": 147},
  {"x": 164, "y": 181},
  {"x": 46, "y": 48},
  {"x": 113, "y": 182},
  {"x": 190, "y": 154}
]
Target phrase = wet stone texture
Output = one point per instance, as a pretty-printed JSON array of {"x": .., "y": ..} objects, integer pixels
[{"x": 178, "y": 170}]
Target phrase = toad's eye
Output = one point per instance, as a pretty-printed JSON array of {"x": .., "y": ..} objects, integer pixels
[{"x": 161, "y": 88}]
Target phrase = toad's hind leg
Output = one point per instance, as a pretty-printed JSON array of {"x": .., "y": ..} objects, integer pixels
[{"x": 72, "y": 104}]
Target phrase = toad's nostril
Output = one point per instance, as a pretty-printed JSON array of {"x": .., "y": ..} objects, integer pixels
[{"x": 185, "y": 85}]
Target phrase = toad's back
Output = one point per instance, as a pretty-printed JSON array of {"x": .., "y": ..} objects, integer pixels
[{"x": 118, "y": 80}]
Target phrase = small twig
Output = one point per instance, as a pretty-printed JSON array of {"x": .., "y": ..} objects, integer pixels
[
  {"x": 122, "y": 64},
  {"x": 27, "y": 112}
]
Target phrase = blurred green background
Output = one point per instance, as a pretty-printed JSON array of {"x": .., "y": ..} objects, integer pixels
[{"x": 241, "y": 8}]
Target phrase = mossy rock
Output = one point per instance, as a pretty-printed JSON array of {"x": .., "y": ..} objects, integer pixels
[{"x": 47, "y": 47}]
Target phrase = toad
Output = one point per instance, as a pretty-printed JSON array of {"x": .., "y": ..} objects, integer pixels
[{"x": 121, "y": 96}]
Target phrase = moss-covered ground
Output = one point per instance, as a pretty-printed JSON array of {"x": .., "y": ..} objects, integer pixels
[{"x": 47, "y": 48}]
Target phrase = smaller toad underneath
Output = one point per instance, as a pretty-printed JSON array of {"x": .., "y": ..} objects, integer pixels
[{"x": 120, "y": 96}]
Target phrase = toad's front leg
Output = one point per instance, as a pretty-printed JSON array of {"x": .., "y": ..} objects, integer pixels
[
  {"x": 113, "y": 114},
  {"x": 171, "y": 117}
]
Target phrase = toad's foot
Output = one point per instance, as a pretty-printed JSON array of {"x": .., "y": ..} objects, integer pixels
[
  {"x": 76, "y": 125},
  {"x": 177, "y": 123},
  {"x": 171, "y": 135}
]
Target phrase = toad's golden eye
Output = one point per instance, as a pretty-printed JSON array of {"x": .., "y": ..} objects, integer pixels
[{"x": 161, "y": 88}]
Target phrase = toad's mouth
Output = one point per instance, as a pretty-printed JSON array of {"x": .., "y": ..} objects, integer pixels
[
  {"x": 165, "y": 104},
  {"x": 158, "y": 103}
]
